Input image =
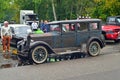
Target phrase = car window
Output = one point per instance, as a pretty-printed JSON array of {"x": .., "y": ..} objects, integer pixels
[
  {"x": 82, "y": 26},
  {"x": 54, "y": 28},
  {"x": 94, "y": 26},
  {"x": 68, "y": 27}
]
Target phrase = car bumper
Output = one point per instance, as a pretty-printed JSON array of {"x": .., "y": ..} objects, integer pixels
[{"x": 113, "y": 36}]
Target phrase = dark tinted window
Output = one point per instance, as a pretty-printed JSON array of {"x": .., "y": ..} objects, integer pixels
[{"x": 82, "y": 26}]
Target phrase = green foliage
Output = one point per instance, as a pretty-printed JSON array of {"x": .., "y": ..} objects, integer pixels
[
  {"x": 70, "y": 9},
  {"x": 105, "y": 8}
]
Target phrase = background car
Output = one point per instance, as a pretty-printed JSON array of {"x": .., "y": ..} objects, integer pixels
[
  {"x": 111, "y": 29},
  {"x": 19, "y": 32}
]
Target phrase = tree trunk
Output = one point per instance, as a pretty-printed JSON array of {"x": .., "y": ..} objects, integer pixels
[{"x": 54, "y": 13}]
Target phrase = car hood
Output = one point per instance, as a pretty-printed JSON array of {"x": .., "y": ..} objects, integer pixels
[
  {"x": 22, "y": 35},
  {"x": 110, "y": 27}
]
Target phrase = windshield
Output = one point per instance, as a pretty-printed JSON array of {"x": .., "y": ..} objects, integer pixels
[
  {"x": 31, "y": 17},
  {"x": 22, "y": 30},
  {"x": 113, "y": 20},
  {"x": 118, "y": 19}
]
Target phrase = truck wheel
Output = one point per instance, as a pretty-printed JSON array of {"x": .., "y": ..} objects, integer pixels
[
  {"x": 39, "y": 54},
  {"x": 94, "y": 48}
]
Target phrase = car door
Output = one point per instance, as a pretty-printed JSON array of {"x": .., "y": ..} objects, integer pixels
[
  {"x": 68, "y": 36},
  {"x": 55, "y": 30},
  {"x": 94, "y": 29},
  {"x": 82, "y": 34}
]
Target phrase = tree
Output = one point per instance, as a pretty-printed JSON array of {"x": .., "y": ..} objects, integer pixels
[
  {"x": 69, "y": 9},
  {"x": 105, "y": 8}
]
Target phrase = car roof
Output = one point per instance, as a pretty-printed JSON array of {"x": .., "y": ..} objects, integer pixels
[
  {"x": 72, "y": 21},
  {"x": 18, "y": 25}
]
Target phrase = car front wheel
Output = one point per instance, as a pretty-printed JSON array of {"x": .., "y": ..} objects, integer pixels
[
  {"x": 39, "y": 54},
  {"x": 94, "y": 48}
]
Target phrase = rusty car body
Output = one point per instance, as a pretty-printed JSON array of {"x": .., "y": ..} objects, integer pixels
[{"x": 65, "y": 37}]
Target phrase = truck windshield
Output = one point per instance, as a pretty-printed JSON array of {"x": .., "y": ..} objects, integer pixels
[{"x": 31, "y": 17}]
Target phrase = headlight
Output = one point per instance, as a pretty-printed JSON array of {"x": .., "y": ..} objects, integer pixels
[{"x": 32, "y": 41}]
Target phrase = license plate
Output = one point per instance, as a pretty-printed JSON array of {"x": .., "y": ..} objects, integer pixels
[{"x": 14, "y": 51}]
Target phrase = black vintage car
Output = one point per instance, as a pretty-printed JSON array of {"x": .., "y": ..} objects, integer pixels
[{"x": 65, "y": 37}]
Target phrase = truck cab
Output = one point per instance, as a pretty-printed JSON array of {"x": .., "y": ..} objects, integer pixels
[{"x": 28, "y": 16}]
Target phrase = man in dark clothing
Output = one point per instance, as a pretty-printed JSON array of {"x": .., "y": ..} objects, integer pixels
[
  {"x": 41, "y": 24},
  {"x": 45, "y": 27}
]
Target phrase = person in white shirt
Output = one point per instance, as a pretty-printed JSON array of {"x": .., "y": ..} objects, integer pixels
[
  {"x": 34, "y": 26},
  {"x": 6, "y": 36}
]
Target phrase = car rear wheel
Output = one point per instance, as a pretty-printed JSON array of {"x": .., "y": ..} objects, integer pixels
[
  {"x": 94, "y": 48},
  {"x": 39, "y": 54}
]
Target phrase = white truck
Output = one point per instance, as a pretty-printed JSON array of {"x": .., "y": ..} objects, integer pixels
[{"x": 28, "y": 16}]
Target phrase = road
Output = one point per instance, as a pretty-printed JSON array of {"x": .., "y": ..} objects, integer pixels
[{"x": 106, "y": 66}]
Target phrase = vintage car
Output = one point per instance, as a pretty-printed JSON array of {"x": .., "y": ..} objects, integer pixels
[
  {"x": 111, "y": 29},
  {"x": 19, "y": 32},
  {"x": 65, "y": 37}
]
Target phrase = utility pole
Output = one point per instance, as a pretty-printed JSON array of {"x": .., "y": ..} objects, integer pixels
[{"x": 54, "y": 13}]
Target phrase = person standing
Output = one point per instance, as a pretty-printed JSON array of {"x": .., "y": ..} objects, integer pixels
[
  {"x": 6, "y": 36},
  {"x": 46, "y": 27},
  {"x": 41, "y": 24},
  {"x": 34, "y": 26}
]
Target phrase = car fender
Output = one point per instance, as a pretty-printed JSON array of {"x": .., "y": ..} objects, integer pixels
[
  {"x": 41, "y": 43},
  {"x": 102, "y": 44}
]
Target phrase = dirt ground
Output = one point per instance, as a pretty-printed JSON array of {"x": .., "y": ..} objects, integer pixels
[{"x": 8, "y": 61}]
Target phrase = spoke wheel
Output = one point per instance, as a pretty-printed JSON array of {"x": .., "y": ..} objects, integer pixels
[
  {"x": 39, "y": 54},
  {"x": 94, "y": 48}
]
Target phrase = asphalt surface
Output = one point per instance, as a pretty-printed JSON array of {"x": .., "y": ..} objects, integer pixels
[{"x": 106, "y": 66}]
